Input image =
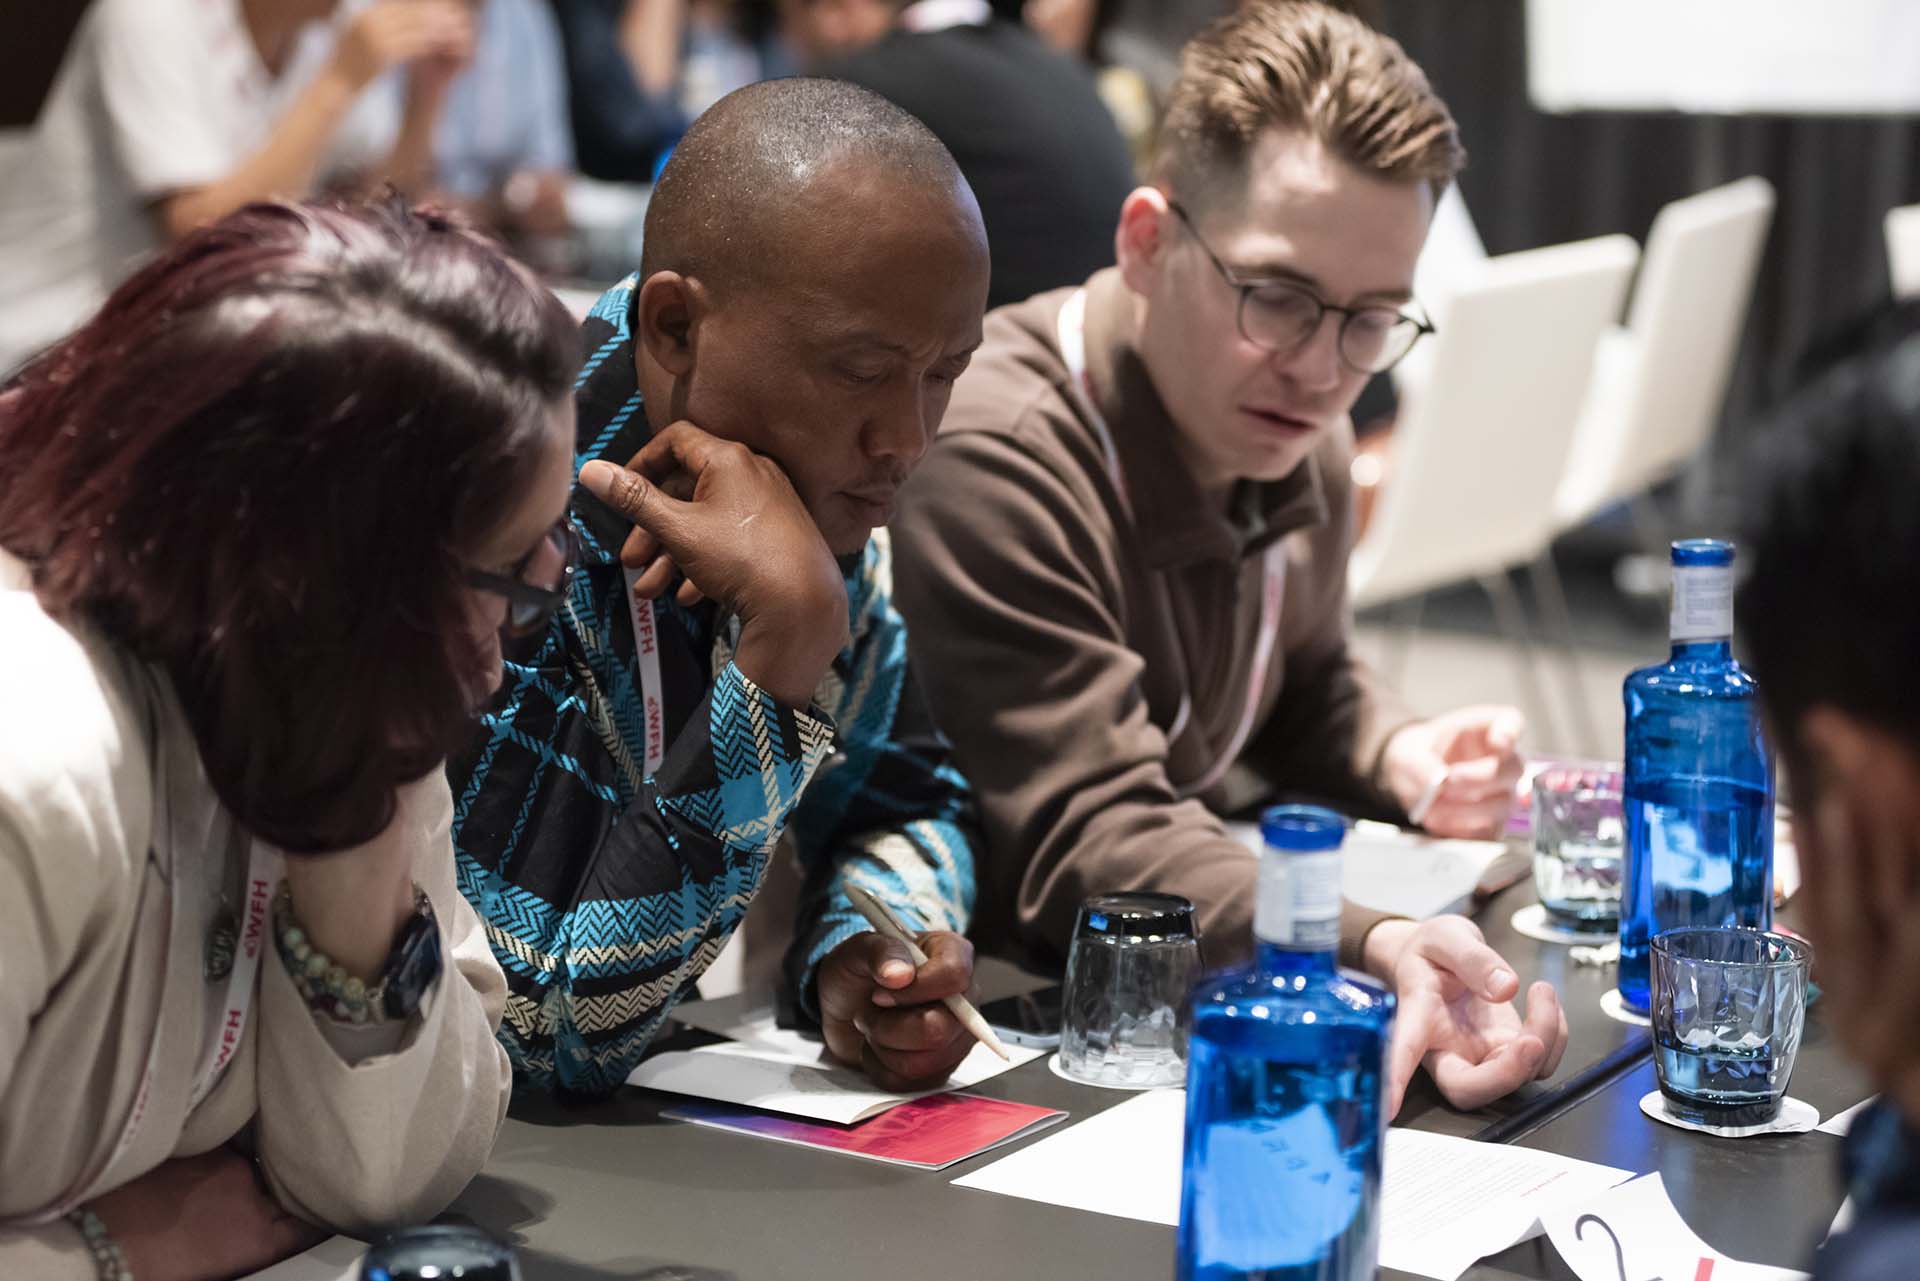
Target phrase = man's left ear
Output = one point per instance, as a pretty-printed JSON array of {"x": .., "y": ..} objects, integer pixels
[
  {"x": 667, "y": 317},
  {"x": 1140, "y": 240}
]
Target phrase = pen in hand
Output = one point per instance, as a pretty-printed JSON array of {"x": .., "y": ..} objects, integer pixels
[
  {"x": 885, "y": 924},
  {"x": 1417, "y": 812}
]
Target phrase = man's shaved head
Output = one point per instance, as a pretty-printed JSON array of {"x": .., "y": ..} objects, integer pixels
[
  {"x": 813, "y": 281},
  {"x": 774, "y": 152}
]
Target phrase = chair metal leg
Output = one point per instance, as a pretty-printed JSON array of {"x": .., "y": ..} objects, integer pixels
[
  {"x": 1407, "y": 612},
  {"x": 1549, "y": 591},
  {"x": 1512, "y": 616}
]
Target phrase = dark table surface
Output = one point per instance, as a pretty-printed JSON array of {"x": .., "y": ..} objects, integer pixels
[{"x": 610, "y": 1190}]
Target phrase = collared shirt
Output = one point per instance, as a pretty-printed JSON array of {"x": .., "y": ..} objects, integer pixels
[
  {"x": 1088, "y": 626},
  {"x": 1881, "y": 1157},
  {"x": 607, "y": 891},
  {"x": 506, "y": 112}
]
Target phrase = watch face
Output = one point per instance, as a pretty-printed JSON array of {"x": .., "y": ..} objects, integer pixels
[{"x": 415, "y": 964}]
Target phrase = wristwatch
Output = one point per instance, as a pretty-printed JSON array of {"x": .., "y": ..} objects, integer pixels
[
  {"x": 414, "y": 964},
  {"x": 411, "y": 969}
]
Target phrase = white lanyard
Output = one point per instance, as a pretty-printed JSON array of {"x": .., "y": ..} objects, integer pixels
[
  {"x": 264, "y": 866},
  {"x": 1073, "y": 352},
  {"x": 263, "y": 874},
  {"x": 646, "y": 650}
]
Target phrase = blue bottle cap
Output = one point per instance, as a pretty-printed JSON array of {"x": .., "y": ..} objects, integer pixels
[
  {"x": 443, "y": 1250},
  {"x": 1302, "y": 828},
  {"x": 1689, "y": 553}
]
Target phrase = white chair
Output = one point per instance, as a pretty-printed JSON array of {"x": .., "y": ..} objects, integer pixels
[
  {"x": 1658, "y": 383},
  {"x": 1903, "y": 250},
  {"x": 1451, "y": 257},
  {"x": 1477, "y": 457}
]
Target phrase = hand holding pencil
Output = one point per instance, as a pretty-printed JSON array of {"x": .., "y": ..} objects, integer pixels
[
  {"x": 884, "y": 1003},
  {"x": 884, "y": 922}
]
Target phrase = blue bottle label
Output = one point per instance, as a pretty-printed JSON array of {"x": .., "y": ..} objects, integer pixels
[
  {"x": 1299, "y": 903},
  {"x": 1702, "y": 602}
]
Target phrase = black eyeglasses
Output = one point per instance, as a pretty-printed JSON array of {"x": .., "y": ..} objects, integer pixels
[
  {"x": 531, "y": 603},
  {"x": 1282, "y": 317}
]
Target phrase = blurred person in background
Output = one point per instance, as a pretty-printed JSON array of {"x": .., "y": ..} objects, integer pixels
[
  {"x": 1084, "y": 30},
  {"x": 504, "y": 146},
  {"x": 501, "y": 150},
  {"x": 1831, "y": 621},
  {"x": 166, "y": 114},
  {"x": 1024, "y": 123},
  {"x": 813, "y": 33},
  {"x": 622, "y": 59},
  {"x": 263, "y": 519}
]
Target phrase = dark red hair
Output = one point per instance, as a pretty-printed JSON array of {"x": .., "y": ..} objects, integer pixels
[{"x": 262, "y": 466}]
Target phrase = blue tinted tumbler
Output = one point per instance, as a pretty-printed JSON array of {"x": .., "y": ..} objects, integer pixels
[
  {"x": 1285, "y": 1074},
  {"x": 1728, "y": 1010},
  {"x": 1699, "y": 777}
]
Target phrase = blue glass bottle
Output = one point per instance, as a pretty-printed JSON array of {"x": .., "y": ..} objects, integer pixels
[
  {"x": 1285, "y": 1075},
  {"x": 1699, "y": 777}
]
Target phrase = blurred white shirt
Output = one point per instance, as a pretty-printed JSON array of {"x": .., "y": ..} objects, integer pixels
[{"x": 153, "y": 96}]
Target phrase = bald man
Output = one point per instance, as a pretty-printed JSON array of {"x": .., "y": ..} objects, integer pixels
[{"x": 728, "y": 665}]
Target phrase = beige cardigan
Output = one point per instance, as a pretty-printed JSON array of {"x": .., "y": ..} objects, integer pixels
[{"x": 113, "y": 849}]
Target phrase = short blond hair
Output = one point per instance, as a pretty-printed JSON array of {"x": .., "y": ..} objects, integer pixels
[{"x": 1298, "y": 64}]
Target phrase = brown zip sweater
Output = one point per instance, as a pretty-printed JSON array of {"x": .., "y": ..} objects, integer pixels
[{"x": 1061, "y": 617}]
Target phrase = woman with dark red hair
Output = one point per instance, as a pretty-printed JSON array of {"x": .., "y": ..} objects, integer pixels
[{"x": 262, "y": 522}]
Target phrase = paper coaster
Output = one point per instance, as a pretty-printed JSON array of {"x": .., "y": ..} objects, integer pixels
[
  {"x": 1794, "y": 1117},
  {"x": 1615, "y": 1009},
  {"x": 1533, "y": 922},
  {"x": 1053, "y": 1064}
]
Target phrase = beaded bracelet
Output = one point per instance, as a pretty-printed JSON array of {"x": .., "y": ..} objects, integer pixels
[
  {"x": 109, "y": 1261},
  {"x": 325, "y": 986}
]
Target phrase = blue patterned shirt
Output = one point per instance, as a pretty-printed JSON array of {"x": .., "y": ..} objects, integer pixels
[
  {"x": 605, "y": 891},
  {"x": 1881, "y": 1160}
]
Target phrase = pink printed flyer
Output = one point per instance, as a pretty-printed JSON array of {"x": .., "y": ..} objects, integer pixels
[{"x": 929, "y": 1133}]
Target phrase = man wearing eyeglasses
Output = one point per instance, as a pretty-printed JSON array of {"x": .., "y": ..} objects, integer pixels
[{"x": 1123, "y": 563}]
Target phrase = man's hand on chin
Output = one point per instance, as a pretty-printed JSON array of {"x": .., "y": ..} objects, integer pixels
[{"x": 1457, "y": 1015}]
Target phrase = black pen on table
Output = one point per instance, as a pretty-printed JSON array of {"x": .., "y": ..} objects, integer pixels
[{"x": 885, "y": 923}]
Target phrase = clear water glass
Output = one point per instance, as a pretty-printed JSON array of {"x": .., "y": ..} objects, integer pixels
[
  {"x": 1728, "y": 1009},
  {"x": 1579, "y": 841},
  {"x": 1130, "y": 970}
]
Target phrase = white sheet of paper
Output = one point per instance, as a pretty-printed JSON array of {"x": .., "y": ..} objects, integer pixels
[
  {"x": 747, "y": 1020},
  {"x": 1637, "y": 1222},
  {"x": 1124, "y": 1161},
  {"x": 1445, "y": 1202},
  {"x": 782, "y": 1071},
  {"x": 335, "y": 1259},
  {"x": 1390, "y": 870},
  {"x": 1842, "y": 1122}
]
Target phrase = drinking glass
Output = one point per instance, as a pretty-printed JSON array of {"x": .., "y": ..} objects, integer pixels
[
  {"x": 1130, "y": 970},
  {"x": 1578, "y": 840},
  {"x": 1728, "y": 1009}
]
